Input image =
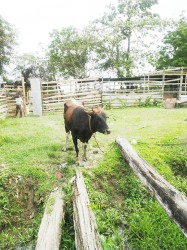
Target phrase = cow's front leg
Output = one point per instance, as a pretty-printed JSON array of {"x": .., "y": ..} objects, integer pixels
[
  {"x": 66, "y": 142},
  {"x": 77, "y": 151},
  {"x": 84, "y": 150}
]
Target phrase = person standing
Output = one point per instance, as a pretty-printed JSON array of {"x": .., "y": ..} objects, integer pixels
[{"x": 19, "y": 105}]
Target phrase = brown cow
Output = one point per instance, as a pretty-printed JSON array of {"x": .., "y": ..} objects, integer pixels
[{"x": 83, "y": 124}]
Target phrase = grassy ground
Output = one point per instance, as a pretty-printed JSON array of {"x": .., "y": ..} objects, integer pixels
[
  {"x": 30, "y": 155},
  {"x": 128, "y": 217}
]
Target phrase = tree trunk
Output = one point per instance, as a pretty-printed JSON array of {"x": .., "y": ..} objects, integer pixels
[
  {"x": 86, "y": 235},
  {"x": 49, "y": 234},
  {"x": 174, "y": 202}
]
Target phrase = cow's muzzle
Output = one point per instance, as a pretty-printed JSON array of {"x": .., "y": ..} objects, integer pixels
[{"x": 107, "y": 131}]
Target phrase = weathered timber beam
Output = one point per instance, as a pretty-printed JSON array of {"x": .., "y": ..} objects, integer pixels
[
  {"x": 49, "y": 234},
  {"x": 86, "y": 234},
  {"x": 173, "y": 201}
]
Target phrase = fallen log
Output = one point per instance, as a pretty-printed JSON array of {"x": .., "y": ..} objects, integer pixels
[
  {"x": 49, "y": 234},
  {"x": 173, "y": 201},
  {"x": 86, "y": 234}
]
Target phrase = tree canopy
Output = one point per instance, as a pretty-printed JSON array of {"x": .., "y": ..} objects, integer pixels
[
  {"x": 112, "y": 44},
  {"x": 174, "y": 50},
  {"x": 121, "y": 43},
  {"x": 122, "y": 32},
  {"x": 7, "y": 43},
  {"x": 69, "y": 53},
  {"x": 30, "y": 65}
]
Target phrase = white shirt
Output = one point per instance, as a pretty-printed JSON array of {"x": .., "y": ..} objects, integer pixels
[{"x": 18, "y": 101}]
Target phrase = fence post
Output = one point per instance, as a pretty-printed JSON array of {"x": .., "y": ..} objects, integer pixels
[
  {"x": 181, "y": 81},
  {"x": 163, "y": 81},
  {"x": 36, "y": 96},
  {"x": 24, "y": 95}
]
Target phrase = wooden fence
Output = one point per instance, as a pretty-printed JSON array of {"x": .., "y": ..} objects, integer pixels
[
  {"x": 3, "y": 104},
  {"x": 54, "y": 94},
  {"x": 94, "y": 92},
  {"x": 10, "y": 98},
  {"x": 129, "y": 93},
  {"x": 11, "y": 103},
  {"x": 111, "y": 92}
]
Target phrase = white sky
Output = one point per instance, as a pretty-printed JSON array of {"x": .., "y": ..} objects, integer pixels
[{"x": 34, "y": 19}]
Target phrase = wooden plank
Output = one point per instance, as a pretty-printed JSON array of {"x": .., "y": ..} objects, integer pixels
[
  {"x": 84, "y": 80},
  {"x": 86, "y": 234},
  {"x": 69, "y": 95},
  {"x": 61, "y": 102},
  {"x": 3, "y": 111},
  {"x": 49, "y": 234},
  {"x": 173, "y": 201},
  {"x": 3, "y": 105},
  {"x": 173, "y": 80}
]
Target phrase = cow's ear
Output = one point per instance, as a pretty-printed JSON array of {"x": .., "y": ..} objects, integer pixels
[{"x": 97, "y": 110}]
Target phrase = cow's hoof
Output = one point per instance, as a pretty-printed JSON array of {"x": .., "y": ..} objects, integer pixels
[
  {"x": 84, "y": 159},
  {"x": 77, "y": 163},
  {"x": 64, "y": 149}
]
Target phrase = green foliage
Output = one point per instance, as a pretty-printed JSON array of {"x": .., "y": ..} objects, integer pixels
[
  {"x": 149, "y": 102},
  {"x": 7, "y": 42},
  {"x": 107, "y": 44},
  {"x": 69, "y": 52},
  {"x": 21, "y": 195},
  {"x": 68, "y": 239},
  {"x": 33, "y": 66},
  {"x": 146, "y": 103},
  {"x": 116, "y": 50},
  {"x": 173, "y": 53}
]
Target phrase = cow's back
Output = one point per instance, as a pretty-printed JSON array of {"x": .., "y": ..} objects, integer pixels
[{"x": 71, "y": 107}]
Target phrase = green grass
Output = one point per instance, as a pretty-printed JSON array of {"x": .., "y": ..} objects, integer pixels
[
  {"x": 30, "y": 150},
  {"x": 127, "y": 215},
  {"x": 161, "y": 137}
]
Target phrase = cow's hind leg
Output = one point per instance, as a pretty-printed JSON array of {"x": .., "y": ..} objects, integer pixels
[
  {"x": 66, "y": 142},
  {"x": 77, "y": 150},
  {"x": 84, "y": 150}
]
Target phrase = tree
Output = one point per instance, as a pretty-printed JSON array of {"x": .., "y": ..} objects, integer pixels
[
  {"x": 122, "y": 33},
  {"x": 69, "y": 53},
  {"x": 7, "y": 43},
  {"x": 174, "y": 51},
  {"x": 29, "y": 65}
]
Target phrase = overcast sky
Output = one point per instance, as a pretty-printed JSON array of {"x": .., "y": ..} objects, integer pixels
[{"x": 34, "y": 19}]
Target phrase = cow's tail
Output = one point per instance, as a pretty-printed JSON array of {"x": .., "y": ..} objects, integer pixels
[{"x": 65, "y": 108}]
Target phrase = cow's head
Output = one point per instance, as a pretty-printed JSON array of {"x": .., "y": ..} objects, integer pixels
[{"x": 98, "y": 121}]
